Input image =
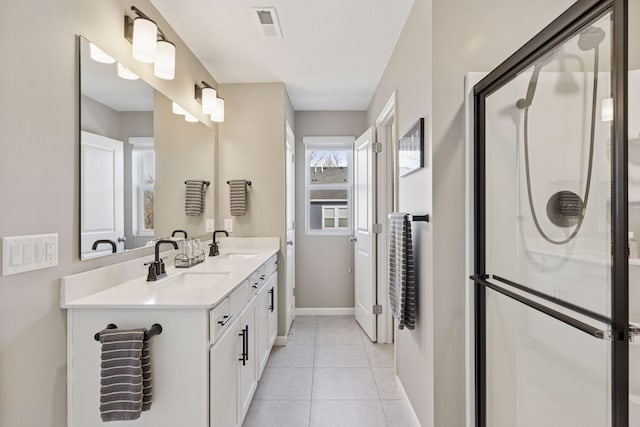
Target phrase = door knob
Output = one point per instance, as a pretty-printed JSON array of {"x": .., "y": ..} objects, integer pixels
[
  {"x": 122, "y": 239},
  {"x": 290, "y": 242},
  {"x": 353, "y": 239}
]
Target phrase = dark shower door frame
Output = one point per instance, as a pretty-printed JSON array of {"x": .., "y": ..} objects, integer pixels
[{"x": 562, "y": 28}]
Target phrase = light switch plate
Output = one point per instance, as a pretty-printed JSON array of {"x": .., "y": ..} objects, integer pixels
[
  {"x": 228, "y": 225},
  {"x": 26, "y": 253}
]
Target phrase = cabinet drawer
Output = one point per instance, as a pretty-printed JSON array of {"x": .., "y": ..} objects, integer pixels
[
  {"x": 219, "y": 319},
  {"x": 240, "y": 297}
]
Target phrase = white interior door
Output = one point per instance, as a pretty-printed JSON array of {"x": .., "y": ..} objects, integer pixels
[
  {"x": 102, "y": 192},
  {"x": 290, "y": 250},
  {"x": 364, "y": 217}
]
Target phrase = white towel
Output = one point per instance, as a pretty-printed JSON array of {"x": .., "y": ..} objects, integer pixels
[
  {"x": 194, "y": 197},
  {"x": 402, "y": 281},
  {"x": 238, "y": 197}
]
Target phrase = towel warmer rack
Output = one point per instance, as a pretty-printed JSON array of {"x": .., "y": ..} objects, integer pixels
[{"x": 156, "y": 329}]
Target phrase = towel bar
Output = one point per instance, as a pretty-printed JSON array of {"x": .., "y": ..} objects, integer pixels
[
  {"x": 418, "y": 218},
  {"x": 248, "y": 182},
  {"x": 156, "y": 329},
  {"x": 206, "y": 183}
]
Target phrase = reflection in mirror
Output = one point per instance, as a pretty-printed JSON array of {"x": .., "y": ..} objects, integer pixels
[{"x": 135, "y": 155}]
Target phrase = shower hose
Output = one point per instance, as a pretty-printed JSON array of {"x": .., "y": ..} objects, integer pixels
[{"x": 589, "y": 170}]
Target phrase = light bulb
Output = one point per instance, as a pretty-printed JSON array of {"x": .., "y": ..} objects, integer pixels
[
  {"x": 178, "y": 109},
  {"x": 99, "y": 55},
  {"x": 209, "y": 96},
  {"x": 125, "y": 73},
  {"x": 165, "y": 65},
  {"x": 218, "y": 114},
  {"x": 145, "y": 35}
]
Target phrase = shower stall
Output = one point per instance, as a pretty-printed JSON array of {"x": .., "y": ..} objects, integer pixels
[{"x": 556, "y": 216}]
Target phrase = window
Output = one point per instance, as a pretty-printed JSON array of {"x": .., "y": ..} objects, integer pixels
[
  {"x": 328, "y": 184},
  {"x": 143, "y": 185}
]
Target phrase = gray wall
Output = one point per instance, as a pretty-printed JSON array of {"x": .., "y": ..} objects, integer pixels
[
  {"x": 324, "y": 264},
  {"x": 252, "y": 147},
  {"x": 466, "y": 36},
  {"x": 39, "y": 150}
]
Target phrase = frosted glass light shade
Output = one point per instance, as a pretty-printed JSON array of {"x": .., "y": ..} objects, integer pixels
[
  {"x": 125, "y": 73},
  {"x": 145, "y": 34},
  {"x": 607, "y": 109},
  {"x": 209, "y": 96},
  {"x": 165, "y": 65},
  {"x": 178, "y": 109},
  {"x": 188, "y": 117},
  {"x": 99, "y": 55},
  {"x": 218, "y": 114}
]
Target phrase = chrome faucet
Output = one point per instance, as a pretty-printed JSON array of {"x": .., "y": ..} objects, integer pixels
[
  {"x": 214, "y": 249},
  {"x": 156, "y": 267}
]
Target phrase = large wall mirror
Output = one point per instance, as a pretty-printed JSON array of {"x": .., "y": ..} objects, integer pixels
[{"x": 135, "y": 158}]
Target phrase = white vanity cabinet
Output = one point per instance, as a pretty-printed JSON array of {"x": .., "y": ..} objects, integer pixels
[{"x": 206, "y": 362}]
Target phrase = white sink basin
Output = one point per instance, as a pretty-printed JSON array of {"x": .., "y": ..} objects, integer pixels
[{"x": 194, "y": 280}]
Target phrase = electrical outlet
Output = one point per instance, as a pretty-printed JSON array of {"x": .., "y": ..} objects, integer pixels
[
  {"x": 211, "y": 226},
  {"x": 27, "y": 253},
  {"x": 228, "y": 225}
]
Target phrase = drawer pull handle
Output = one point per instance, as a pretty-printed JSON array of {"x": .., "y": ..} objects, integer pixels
[
  {"x": 225, "y": 319},
  {"x": 271, "y": 291},
  {"x": 245, "y": 345},
  {"x": 255, "y": 285},
  {"x": 262, "y": 277}
]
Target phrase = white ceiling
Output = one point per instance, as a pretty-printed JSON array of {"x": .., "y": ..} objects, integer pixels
[{"x": 331, "y": 56}]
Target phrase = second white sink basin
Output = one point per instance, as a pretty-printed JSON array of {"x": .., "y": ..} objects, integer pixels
[{"x": 195, "y": 280}]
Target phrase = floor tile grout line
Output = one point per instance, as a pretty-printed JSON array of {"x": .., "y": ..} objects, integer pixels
[{"x": 313, "y": 370}]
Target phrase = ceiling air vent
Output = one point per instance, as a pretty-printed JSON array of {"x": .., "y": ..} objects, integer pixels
[{"x": 268, "y": 21}]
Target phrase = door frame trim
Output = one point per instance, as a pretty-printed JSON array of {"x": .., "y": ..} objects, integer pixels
[
  {"x": 562, "y": 28},
  {"x": 386, "y": 203}
]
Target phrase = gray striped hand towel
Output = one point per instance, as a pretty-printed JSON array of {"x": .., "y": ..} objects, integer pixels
[
  {"x": 238, "y": 197},
  {"x": 147, "y": 388},
  {"x": 194, "y": 197},
  {"x": 402, "y": 281},
  {"x": 121, "y": 374}
]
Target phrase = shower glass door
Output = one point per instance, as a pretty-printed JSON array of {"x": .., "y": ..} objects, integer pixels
[{"x": 547, "y": 286}]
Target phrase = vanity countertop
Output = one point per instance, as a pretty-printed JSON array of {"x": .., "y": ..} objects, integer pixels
[{"x": 201, "y": 286}]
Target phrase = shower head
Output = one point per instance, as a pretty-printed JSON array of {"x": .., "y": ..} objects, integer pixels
[{"x": 590, "y": 38}]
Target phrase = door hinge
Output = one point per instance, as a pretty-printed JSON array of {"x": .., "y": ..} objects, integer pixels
[
  {"x": 377, "y": 147},
  {"x": 377, "y": 228},
  {"x": 377, "y": 309}
]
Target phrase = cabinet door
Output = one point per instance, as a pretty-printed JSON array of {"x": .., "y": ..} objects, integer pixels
[
  {"x": 272, "y": 321},
  {"x": 262, "y": 316},
  {"x": 223, "y": 360},
  {"x": 247, "y": 380}
]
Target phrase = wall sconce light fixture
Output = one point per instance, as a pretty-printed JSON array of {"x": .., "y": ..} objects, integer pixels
[
  {"x": 99, "y": 55},
  {"x": 218, "y": 115},
  {"x": 150, "y": 45},
  {"x": 211, "y": 104},
  {"x": 125, "y": 73}
]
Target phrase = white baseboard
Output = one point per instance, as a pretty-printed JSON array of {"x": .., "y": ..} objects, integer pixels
[
  {"x": 413, "y": 418},
  {"x": 329, "y": 311},
  {"x": 280, "y": 340}
]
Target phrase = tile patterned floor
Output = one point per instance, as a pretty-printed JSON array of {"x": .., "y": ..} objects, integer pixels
[{"x": 329, "y": 375}]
